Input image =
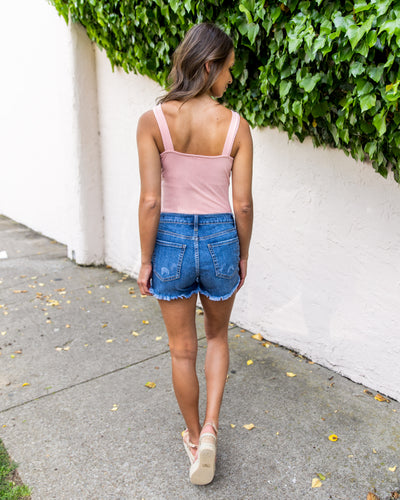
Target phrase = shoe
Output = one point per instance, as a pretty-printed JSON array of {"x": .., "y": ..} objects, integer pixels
[
  {"x": 203, "y": 468},
  {"x": 187, "y": 444}
]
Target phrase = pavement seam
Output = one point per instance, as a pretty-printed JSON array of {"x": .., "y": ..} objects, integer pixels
[{"x": 84, "y": 381}]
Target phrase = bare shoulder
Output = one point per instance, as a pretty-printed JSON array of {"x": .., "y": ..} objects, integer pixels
[
  {"x": 147, "y": 120},
  {"x": 243, "y": 138}
]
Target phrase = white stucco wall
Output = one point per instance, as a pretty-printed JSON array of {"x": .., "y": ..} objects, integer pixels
[
  {"x": 324, "y": 272},
  {"x": 36, "y": 118}
]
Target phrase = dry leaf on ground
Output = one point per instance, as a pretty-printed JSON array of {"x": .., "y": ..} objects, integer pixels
[
  {"x": 372, "y": 496},
  {"x": 290, "y": 374},
  {"x": 257, "y": 336},
  {"x": 249, "y": 362},
  {"x": 381, "y": 398},
  {"x": 393, "y": 469},
  {"x": 249, "y": 426},
  {"x": 150, "y": 385},
  {"x": 333, "y": 437},
  {"x": 316, "y": 483}
]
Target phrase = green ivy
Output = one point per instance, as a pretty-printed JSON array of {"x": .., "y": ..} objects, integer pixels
[{"x": 325, "y": 69}]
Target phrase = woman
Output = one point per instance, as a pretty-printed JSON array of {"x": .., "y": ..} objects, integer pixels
[{"x": 189, "y": 146}]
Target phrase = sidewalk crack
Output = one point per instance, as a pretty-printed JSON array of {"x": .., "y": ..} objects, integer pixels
[{"x": 116, "y": 370}]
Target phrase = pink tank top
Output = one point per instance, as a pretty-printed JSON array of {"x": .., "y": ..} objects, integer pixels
[{"x": 195, "y": 184}]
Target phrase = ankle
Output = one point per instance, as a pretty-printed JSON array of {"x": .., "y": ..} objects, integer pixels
[{"x": 210, "y": 426}]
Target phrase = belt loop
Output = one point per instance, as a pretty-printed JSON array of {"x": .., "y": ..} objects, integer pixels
[{"x": 196, "y": 223}]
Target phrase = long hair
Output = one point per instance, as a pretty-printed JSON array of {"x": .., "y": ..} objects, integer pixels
[{"x": 203, "y": 43}]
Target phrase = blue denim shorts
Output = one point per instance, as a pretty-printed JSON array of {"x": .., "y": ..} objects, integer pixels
[{"x": 195, "y": 254}]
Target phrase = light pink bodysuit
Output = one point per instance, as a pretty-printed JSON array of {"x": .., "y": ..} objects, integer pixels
[{"x": 195, "y": 184}]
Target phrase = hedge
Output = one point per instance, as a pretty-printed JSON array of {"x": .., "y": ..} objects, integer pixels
[{"x": 325, "y": 69}]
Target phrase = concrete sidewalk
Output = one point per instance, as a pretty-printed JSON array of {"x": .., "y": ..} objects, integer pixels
[{"x": 78, "y": 345}]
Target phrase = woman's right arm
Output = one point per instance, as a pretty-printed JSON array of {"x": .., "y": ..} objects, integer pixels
[
  {"x": 150, "y": 196},
  {"x": 242, "y": 172}
]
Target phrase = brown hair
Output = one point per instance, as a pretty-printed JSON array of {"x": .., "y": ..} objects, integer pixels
[{"x": 203, "y": 43}]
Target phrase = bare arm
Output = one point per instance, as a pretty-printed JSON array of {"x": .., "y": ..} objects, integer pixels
[
  {"x": 150, "y": 196},
  {"x": 241, "y": 194}
]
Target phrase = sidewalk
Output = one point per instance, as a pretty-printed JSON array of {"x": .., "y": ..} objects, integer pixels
[{"x": 76, "y": 414}]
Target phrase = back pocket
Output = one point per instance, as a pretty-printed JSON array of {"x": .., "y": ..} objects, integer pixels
[
  {"x": 225, "y": 256},
  {"x": 167, "y": 260}
]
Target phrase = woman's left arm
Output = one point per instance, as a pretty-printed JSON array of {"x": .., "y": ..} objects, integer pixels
[{"x": 150, "y": 195}]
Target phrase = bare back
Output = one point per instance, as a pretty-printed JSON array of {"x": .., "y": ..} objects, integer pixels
[{"x": 196, "y": 128}]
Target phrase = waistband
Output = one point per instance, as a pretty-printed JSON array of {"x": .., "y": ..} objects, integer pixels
[{"x": 196, "y": 218}]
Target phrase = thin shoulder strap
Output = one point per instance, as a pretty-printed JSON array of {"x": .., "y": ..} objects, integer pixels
[
  {"x": 232, "y": 131},
  {"x": 163, "y": 126}
]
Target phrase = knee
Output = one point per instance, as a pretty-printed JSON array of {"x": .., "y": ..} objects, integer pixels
[
  {"x": 219, "y": 335},
  {"x": 183, "y": 351}
]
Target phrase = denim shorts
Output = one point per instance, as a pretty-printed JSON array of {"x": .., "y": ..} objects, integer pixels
[{"x": 195, "y": 254}]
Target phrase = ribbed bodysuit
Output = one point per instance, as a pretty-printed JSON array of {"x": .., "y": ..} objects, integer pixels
[{"x": 195, "y": 184}]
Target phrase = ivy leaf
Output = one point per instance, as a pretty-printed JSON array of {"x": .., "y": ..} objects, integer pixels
[
  {"x": 309, "y": 82},
  {"x": 379, "y": 122},
  {"x": 376, "y": 72},
  {"x": 360, "y": 6},
  {"x": 284, "y": 88},
  {"x": 356, "y": 68},
  {"x": 367, "y": 102}
]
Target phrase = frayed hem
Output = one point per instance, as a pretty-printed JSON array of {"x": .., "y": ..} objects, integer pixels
[
  {"x": 159, "y": 296},
  {"x": 224, "y": 297}
]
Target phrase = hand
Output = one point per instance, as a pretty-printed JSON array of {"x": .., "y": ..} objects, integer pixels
[
  {"x": 144, "y": 278},
  {"x": 242, "y": 272}
]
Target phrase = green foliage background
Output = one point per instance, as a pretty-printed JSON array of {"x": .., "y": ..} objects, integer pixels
[{"x": 325, "y": 69}]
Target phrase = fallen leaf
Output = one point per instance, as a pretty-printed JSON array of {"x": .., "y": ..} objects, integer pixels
[
  {"x": 392, "y": 469},
  {"x": 373, "y": 450},
  {"x": 18, "y": 352},
  {"x": 366, "y": 391},
  {"x": 145, "y": 322},
  {"x": 4, "y": 333},
  {"x": 242, "y": 330},
  {"x": 249, "y": 362},
  {"x": 381, "y": 398},
  {"x": 237, "y": 335},
  {"x": 257, "y": 336},
  {"x": 266, "y": 344},
  {"x": 311, "y": 362},
  {"x": 124, "y": 306},
  {"x": 67, "y": 326},
  {"x": 150, "y": 385},
  {"x": 20, "y": 291},
  {"x": 290, "y": 374},
  {"x": 321, "y": 476},
  {"x": 249, "y": 426},
  {"x": 135, "y": 334},
  {"x": 199, "y": 312},
  {"x": 114, "y": 408},
  {"x": 233, "y": 426},
  {"x": 25, "y": 384},
  {"x": 316, "y": 483},
  {"x": 89, "y": 291},
  {"x": 66, "y": 348},
  {"x": 372, "y": 496},
  {"x": 12, "y": 356},
  {"x": 158, "y": 338},
  {"x": 333, "y": 437},
  {"x": 109, "y": 341}
]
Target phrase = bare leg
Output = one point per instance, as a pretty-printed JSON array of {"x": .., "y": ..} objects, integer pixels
[
  {"x": 216, "y": 321},
  {"x": 179, "y": 319}
]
